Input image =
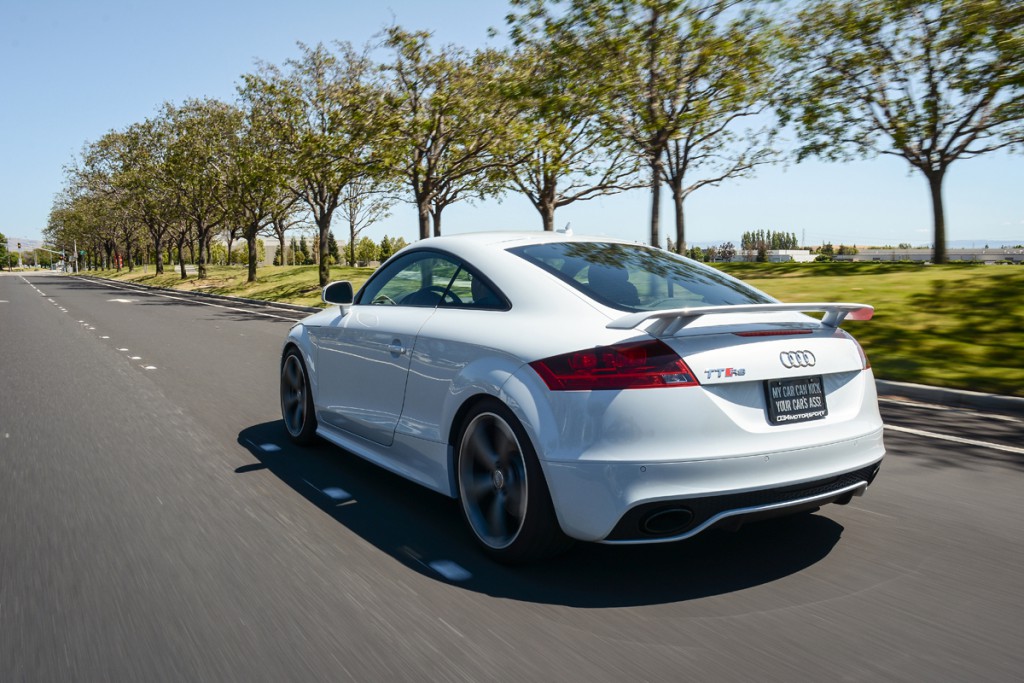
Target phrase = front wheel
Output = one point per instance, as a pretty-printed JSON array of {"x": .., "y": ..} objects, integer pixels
[
  {"x": 297, "y": 399},
  {"x": 502, "y": 491}
]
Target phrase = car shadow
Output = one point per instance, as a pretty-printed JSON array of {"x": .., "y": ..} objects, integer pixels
[{"x": 424, "y": 531}]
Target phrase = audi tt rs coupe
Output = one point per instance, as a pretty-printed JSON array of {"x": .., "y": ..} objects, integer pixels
[{"x": 564, "y": 387}]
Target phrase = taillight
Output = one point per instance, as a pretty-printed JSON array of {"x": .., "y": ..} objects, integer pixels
[{"x": 635, "y": 365}]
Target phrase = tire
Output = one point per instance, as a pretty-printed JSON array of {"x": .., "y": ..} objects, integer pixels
[
  {"x": 502, "y": 492},
  {"x": 297, "y": 399}
]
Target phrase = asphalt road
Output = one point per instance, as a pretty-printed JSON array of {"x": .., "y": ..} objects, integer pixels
[{"x": 156, "y": 525}]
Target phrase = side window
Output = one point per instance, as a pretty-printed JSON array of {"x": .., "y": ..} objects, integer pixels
[
  {"x": 469, "y": 290},
  {"x": 417, "y": 279}
]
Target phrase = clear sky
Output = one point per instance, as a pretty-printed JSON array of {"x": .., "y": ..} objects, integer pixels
[{"x": 70, "y": 70}]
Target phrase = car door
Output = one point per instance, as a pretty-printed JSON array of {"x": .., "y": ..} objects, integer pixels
[{"x": 363, "y": 357}]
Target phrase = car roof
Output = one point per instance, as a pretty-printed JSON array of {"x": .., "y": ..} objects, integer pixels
[{"x": 506, "y": 239}]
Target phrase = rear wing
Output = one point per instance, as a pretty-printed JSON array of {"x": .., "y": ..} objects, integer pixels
[{"x": 674, "y": 319}]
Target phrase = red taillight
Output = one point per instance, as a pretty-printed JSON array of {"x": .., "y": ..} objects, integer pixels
[{"x": 636, "y": 365}]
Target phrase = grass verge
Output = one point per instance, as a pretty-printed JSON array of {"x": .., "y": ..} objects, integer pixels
[{"x": 958, "y": 326}]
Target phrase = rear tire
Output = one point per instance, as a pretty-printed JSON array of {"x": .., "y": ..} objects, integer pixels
[
  {"x": 297, "y": 408},
  {"x": 502, "y": 492}
]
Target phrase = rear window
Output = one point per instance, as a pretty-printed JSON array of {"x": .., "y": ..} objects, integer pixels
[{"x": 638, "y": 278}]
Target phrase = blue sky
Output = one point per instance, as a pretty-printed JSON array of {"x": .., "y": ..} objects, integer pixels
[{"x": 71, "y": 71}]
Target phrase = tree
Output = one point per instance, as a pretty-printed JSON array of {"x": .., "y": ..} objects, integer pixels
[
  {"x": 930, "y": 81},
  {"x": 366, "y": 200},
  {"x": 328, "y": 115},
  {"x": 202, "y": 133},
  {"x": 257, "y": 173},
  {"x": 366, "y": 251},
  {"x": 332, "y": 249},
  {"x": 558, "y": 152},
  {"x": 671, "y": 70},
  {"x": 389, "y": 246},
  {"x": 448, "y": 118}
]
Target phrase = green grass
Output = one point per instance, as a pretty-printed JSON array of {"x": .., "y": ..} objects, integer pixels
[
  {"x": 290, "y": 284},
  {"x": 959, "y": 326}
]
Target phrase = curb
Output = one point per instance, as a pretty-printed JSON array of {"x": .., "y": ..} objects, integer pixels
[
  {"x": 1011, "y": 405},
  {"x": 208, "y": 295}
]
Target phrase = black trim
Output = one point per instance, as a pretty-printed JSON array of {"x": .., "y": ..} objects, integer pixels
[{"x": 630, "y": 527}]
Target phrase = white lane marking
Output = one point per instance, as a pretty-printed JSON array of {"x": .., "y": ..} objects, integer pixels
[
  {"x": 122, "y": 349},
  {"x": 336, "y": 493},
  {"x": 122, "y": 301},
  {"x": 4, "y": 301},
  {"x": 148, "y": 367},
  {"x": 450, "y": 570},
  {"x": 956, "y": 439},
  {"x": 933, "y": 406},
  {"x": 105, "y": 337},
  {"x": 135, "y": 358}
]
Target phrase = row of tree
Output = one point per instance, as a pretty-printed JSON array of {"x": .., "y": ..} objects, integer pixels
[
  {"x": 756, "y": 240},
  {"x": 592, "y": 97}
]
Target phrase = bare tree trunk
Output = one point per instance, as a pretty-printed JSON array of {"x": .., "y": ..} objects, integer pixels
[
  {"x": 935, "y": 179},
  {"x": 436, "y": 213},
  {"x": 677, "y": 200},
  {"x": 252, "y": 258},
  {"x": 424, "y": 216},
  {"x": 181, "y": 256},
  {"x": 655, "y": 201},
  {"x": 159, "y": 251},
  {"x": 324, "y": 223}
]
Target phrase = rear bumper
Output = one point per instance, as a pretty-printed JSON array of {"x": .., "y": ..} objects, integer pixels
[{"x": 614, "y": 502}]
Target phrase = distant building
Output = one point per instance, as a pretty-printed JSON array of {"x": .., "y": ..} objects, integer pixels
[
  {"x": 1002, "y": 255},
  {"x": 776, "y": 256}
]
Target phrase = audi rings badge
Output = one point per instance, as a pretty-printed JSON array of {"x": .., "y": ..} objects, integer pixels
[{"x": 797, "y": 359}]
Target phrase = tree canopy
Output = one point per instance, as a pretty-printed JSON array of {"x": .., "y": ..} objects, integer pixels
[{"x": 929, "y": 81}]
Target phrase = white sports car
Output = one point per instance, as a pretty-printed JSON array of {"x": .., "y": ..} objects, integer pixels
[{"x": 586, "y": 388}]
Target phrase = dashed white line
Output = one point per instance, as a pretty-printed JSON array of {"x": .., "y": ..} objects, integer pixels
[{"x": 450, "y": 571}]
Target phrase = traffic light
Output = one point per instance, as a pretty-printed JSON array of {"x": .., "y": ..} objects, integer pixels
[{"x": 19, "y": 246}]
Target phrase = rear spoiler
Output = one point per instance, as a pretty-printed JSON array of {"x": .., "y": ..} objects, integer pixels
[{"x": 674, "y": 319}]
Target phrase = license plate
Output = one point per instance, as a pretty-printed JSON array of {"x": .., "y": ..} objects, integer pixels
[{"x": 795, "y": 400}]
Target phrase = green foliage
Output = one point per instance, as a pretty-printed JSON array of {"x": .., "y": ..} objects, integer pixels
[
  {"x": 448, "y": 119},
  {"x": 674, "y": 79},
  {"x": 366, "y": 251},
  {"x": 755, "y": 240},
  {"x": 332, "y": 249},
  {"x": 326, "y": 110},
  {"x": 931, "y": 82},
  {"x": 959, "y": 326}
]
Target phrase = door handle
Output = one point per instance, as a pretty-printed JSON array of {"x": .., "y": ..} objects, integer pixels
[{"x": 396, "y": 347}]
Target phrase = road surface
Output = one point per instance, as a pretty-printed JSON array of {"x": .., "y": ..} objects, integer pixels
[{"x": 155, "y": 525}]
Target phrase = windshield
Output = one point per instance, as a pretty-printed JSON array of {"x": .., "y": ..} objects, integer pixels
[{"x": 634, "y": 277}]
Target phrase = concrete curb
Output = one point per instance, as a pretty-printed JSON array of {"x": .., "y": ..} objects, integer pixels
[
  {"x": 207, "y": 295},
  {"x": 1011, "y": 405}
]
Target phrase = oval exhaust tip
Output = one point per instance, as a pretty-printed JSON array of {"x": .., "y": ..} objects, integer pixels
[{"x": 666, "y": 521}]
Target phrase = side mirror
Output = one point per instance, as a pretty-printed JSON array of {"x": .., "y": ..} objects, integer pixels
[{"x": 339, "y": 293}]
